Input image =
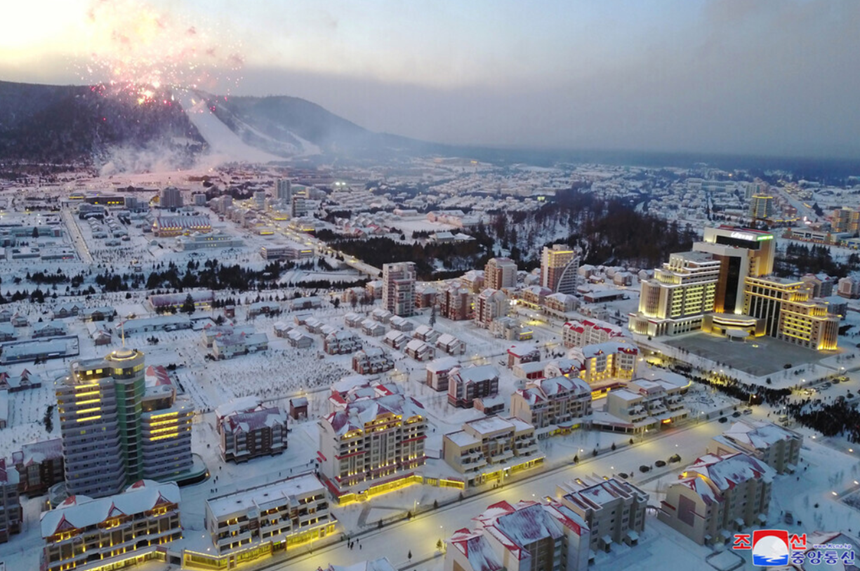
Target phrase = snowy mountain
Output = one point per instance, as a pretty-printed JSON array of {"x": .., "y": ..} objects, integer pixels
[{"x": 122, "y": 132}]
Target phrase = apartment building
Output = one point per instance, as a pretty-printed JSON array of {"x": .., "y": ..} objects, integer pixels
[
  {"x": 643, "y": 405},
  {"x": 253, "y": 432},
  {"x": 589, "y": 332},
  {"x": 492, "y": 448},
  {"x": 371, "y": 361},
  {"x": 370, "y": 444},
  {"x": 606, "y": 361},
  {"x": 718, "y": 496},
  {"x": 117, "y": 427},
  {"x": 11, "y": 514},
  {"x": 465, "y": 384},
  {"x": 525, "y": 536},
  {"x": 341, "y": 342},
  {"x": 455, "y": 302},
  {"x": 113, "y": 531},
  {"x": 398, "y": 288},
  {"x": 39, "y": 466},
  {"x": 438, "y": 372},
  {"x": 613, "y": 509},
  {"x": 845, "y": 219},
  {"x": 285, "y": 514},
  {"x": 553, "y": 406},
  {"x": 559, "y": 269},
  {"x": 774, "y": 445},
  {"x": 500, "y": 273},
  {"x": 490, "y": 305}
]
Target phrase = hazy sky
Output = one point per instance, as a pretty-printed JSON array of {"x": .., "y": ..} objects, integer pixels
[{"x": 739, "y": 76}]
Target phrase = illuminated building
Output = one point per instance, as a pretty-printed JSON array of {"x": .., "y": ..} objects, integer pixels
[
  {"x": 588, "y": 332},
  {"x": 295, "y": 252},
  {"x": 172, "y": 226},
  {"x": 559, "y": 269},
  {"x": 369, "y": 440},
  {"x": 789, "y": 313},
  {"x": 643, "y": 405},
  {"x": 465, "y": 384},
  {"x": 527, "y": 535},
  {"x": 285, "y": 192},
  {"x": 845, "y": 220},
  {"x": 492, "y": 448},
  {"x": 613, "y": 509},
  {"x": 253, "y": 432},
  {"x": 604, "y": 361},
  {"x": 109, "y": 532},
  {"x": 500, "y": 273},
  {"x": 553, "y": 406},
  {"x": 279, "y": 515},
  {"x": 761, "y": 207},
  {"x": 678, "y": 296},
  {"x": 115, "y": 429},
  {"x": 718, "y": 496},
  {"x": 398, "y": 288}
]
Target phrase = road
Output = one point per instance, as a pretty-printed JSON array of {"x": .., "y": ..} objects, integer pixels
[
  {"x": 76, "y": 236},
  {"x": 322, "y": 248},
  {"x": 421, "y": 534}
]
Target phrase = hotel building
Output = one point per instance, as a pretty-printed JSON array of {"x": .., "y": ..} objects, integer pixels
[{"x": 558, "y": 267}]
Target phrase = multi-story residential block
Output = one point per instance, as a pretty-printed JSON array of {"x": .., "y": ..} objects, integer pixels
[
  {"x": 490, "y": 304},
  {"x": 774, "y": 445},
  {"x": 396, "y": 339},
  {"x": 469, "y": 383},
  {"x": 560, "y": 304},
  {"x": 455, "y": 302},
  {"x": 525, "y": 536},
  {"x": 644, "y": 405},
  {"x": 553, "y": 406},
  {"x": 11, "y": 514},
  {"x": 510, "y": 329},
  {"x": 285, "y": 514},
  {"x": 449, "y": 344},
  {"x": 473, "y": 280},
  {"x": 372, "y": 445},
  {"x": 846, "y": 219},
  {"x": 559, "y": 265},
  {"x": 848, "y": 288},
  {"x": 170, "y": 197},
  {"x": 492, "y": 448},
  {"x": 420, "y": 350},
  {"x": 253, "y": 432},
  {"x": 718, "y": 496},
  {"x": 371, "y": 361},
  {"x": 613, "y": 509},
  {"x": 39, "y": 466},
  {"x": 589, "y": 332},
  {"x": 114, "y": 429},
  {"x": 438, "y": 372},
  {"x": 605, "y": 361},
  {"x": 522, "y": 353},
  {"x": 819, "y": 285},
  {"x": 500, "y": 273},
  {"x": 114, "y": 531},
  {"x": 761, "y": 207},
  {"x": 398, "y": 288},
  {"x": 535, "y": 296}
]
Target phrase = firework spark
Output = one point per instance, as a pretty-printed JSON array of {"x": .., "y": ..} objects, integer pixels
[{"x": 137, "y": 51}]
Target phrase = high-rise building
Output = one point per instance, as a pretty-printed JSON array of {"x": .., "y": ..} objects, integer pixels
[
  {"x": 285, "y": 191},
  {"x": 678, "y": 296},
  {"x": 761, "y": 206},
  {"x": 115, "y": 432},
  {"x": 170, "y": 197},
  {"x": 11, "y": 514},
  {"x": 489, "y": 306},
  {"x": 500, "y": 273},
  {"x": 398, "y": 288},
  {"x": 559, "y": 265},
  {"x": 742, "y": 253}
]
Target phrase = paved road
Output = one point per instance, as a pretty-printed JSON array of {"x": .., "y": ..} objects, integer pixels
[
  {"x": 420, "y": 535},
  {"x": 76, "y": 236}
]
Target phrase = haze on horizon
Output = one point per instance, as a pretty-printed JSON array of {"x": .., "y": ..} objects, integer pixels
[{"x": 769, "y": 77}]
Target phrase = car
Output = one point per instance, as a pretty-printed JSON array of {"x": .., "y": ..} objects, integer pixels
[
  {"x": 788, "y": 518},
  {"x": 659, "y": 463},
  {"x": 747, "y": 411},
  {"x": 643, "y": 468},
  {"x": 736, "y": 414},
  {"x": 723, "y": 419},
  {"x": 675, "y": 458},
  {"x": 623, "y": 475}
]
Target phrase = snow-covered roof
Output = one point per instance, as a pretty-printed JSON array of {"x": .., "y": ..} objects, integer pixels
[
  {"x": 82, "y": 511},
  {"x": 609, "y": 347},
  {"x": 276, "y": 493},
  {"x": 477, "y": 549},
  {"x": 476, "y": 374},
  {"x": 758, "y": 434},
  {"x": 728, "y": 471},
  {"x": 442, "y": 364}
]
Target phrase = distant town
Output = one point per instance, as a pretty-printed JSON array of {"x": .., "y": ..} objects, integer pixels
[{"x": 428, "y": 364}]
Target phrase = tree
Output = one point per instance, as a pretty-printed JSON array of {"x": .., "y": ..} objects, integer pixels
[
  {"x": 433, "y": 315},
  {"x": 35, "y": 231},
  {"x": 336, "y": 302},
  {"x": 188, "y": 305},
  {"x": 409, "y": 556},
  {"x": 439, "y": 544}
]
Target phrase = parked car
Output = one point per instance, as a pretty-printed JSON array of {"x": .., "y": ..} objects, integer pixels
[
  {"x": 723, "y": 419},
  {"x": 659, "y": 463},
  {"x": 623, "y": 475},
  {"x": 747, "y": 411},
  {"x": 736, "y": 414},
  {"x": 643, "y": 468},
  {"x": 675, "y": 458}
]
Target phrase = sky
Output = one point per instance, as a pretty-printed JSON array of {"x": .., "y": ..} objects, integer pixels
[{"x": 770, "y": 77}]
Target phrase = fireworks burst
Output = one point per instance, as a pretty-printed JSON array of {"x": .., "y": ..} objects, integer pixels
[{"x": 139, "y": 52}]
